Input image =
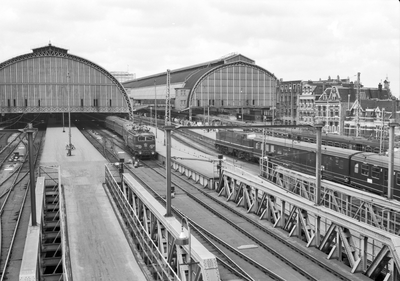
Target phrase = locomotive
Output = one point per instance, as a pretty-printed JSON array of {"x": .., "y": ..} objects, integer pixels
[
  {"x": 140, "y": 141},
  {"x": 360, "y": 169}
]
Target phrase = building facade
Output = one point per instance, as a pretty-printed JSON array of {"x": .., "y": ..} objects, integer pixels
[
  {"x": 337, "y": 110},
  {"x": 288, "y": 94},
  {"x": 310, "y": 92},
  {"x": 334, "y": 103}
]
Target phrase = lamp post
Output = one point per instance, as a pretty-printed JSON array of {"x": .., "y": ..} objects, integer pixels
[
  {"x": 220, "y": 159},
  {"x": 69, "y": 147}
]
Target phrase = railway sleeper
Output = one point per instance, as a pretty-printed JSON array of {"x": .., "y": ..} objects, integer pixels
[
  {"x": 51, "y": 247},
  {"x": 51, "y": 216}
]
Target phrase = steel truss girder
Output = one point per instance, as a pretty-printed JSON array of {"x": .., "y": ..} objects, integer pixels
[
  {"x": 363, "y": 206},
  {"x": 343, "y": 236},
  {"x": 194, "y": 175},
  {"x": 156, "y": 235}
]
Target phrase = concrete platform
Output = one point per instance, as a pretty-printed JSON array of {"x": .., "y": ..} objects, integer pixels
[
  {"x": 98, "y": 247},
  {"x": 189, "y": 157}
]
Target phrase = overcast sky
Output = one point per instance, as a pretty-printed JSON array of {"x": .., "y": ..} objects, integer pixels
[{"x": 308, "y": 39}]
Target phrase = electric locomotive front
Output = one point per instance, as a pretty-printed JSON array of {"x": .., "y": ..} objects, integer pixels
[{"x": 142, "y": 142}]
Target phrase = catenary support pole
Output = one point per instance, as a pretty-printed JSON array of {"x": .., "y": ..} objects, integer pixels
[
  {"x": 391, "y": 160},
  {"x": 30, "y": 131},
  {"x": 168, "y": 169},
  {"x": 318, "y": 166}
]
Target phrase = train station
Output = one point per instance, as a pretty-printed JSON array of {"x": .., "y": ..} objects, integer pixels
[{"x": 119, "y": 191}]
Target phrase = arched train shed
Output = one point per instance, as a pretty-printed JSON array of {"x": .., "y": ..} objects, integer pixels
[
  {"x": 50, "y": 80},
  {"x": 233, "y": 84}
]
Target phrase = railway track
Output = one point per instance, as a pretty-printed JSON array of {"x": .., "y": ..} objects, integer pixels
[
  {"x": 230, "y": 216},
  {"x": 7, "y": 150},
  {"x": 89, "y": 134},
  {"x": 13, "y": 215}
]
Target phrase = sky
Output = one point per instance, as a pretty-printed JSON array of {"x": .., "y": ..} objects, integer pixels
[{"x": 295, "y": 40}]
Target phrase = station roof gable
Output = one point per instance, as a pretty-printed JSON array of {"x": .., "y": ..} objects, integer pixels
[{"x": 188, "y": 75}]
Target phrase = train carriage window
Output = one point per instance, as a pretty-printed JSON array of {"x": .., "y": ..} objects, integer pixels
[
  {"x": 398, "y": 178},
  {"x": 296, "y": 156},
  {"x": 343, "y": 145},
  {"x": 150, "y": 138},
  {"x": 365, "y": 170},
  {"x": 141, "y": 138},
  {"x": 337, "y": 144},
  {"x": 356, "y": 168},
  {"x": 330, "y": 143},
  {"x": 341, "y": 164},
  {"x": 376, "y": 150},
  {"x": 368, "y": 149},
  {"x": 312, "y": 140},
  {"x": 323, "y": 142},
  {"x": 279, "y": 150},
  {"x": 286, "y": 151},
  {"x": 258, "y": 145},
  {"x": 375, "y": 172},
  {"x": 310, "y": 159}
]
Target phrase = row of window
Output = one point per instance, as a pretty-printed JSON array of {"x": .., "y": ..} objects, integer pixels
[
  {"x": 201, "y": 103},
  {"x": 375, "y": 172},
  {"x": 145, "y": 138},
  {"x": 14, "y": 103},
  {"x": 291, "y": 88}
]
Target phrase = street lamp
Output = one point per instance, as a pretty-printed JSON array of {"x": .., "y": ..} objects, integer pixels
[{"x": 184, "y": 240}]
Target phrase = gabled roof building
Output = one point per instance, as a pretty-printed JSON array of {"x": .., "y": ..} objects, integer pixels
[{"x": 337, "y": 109}]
